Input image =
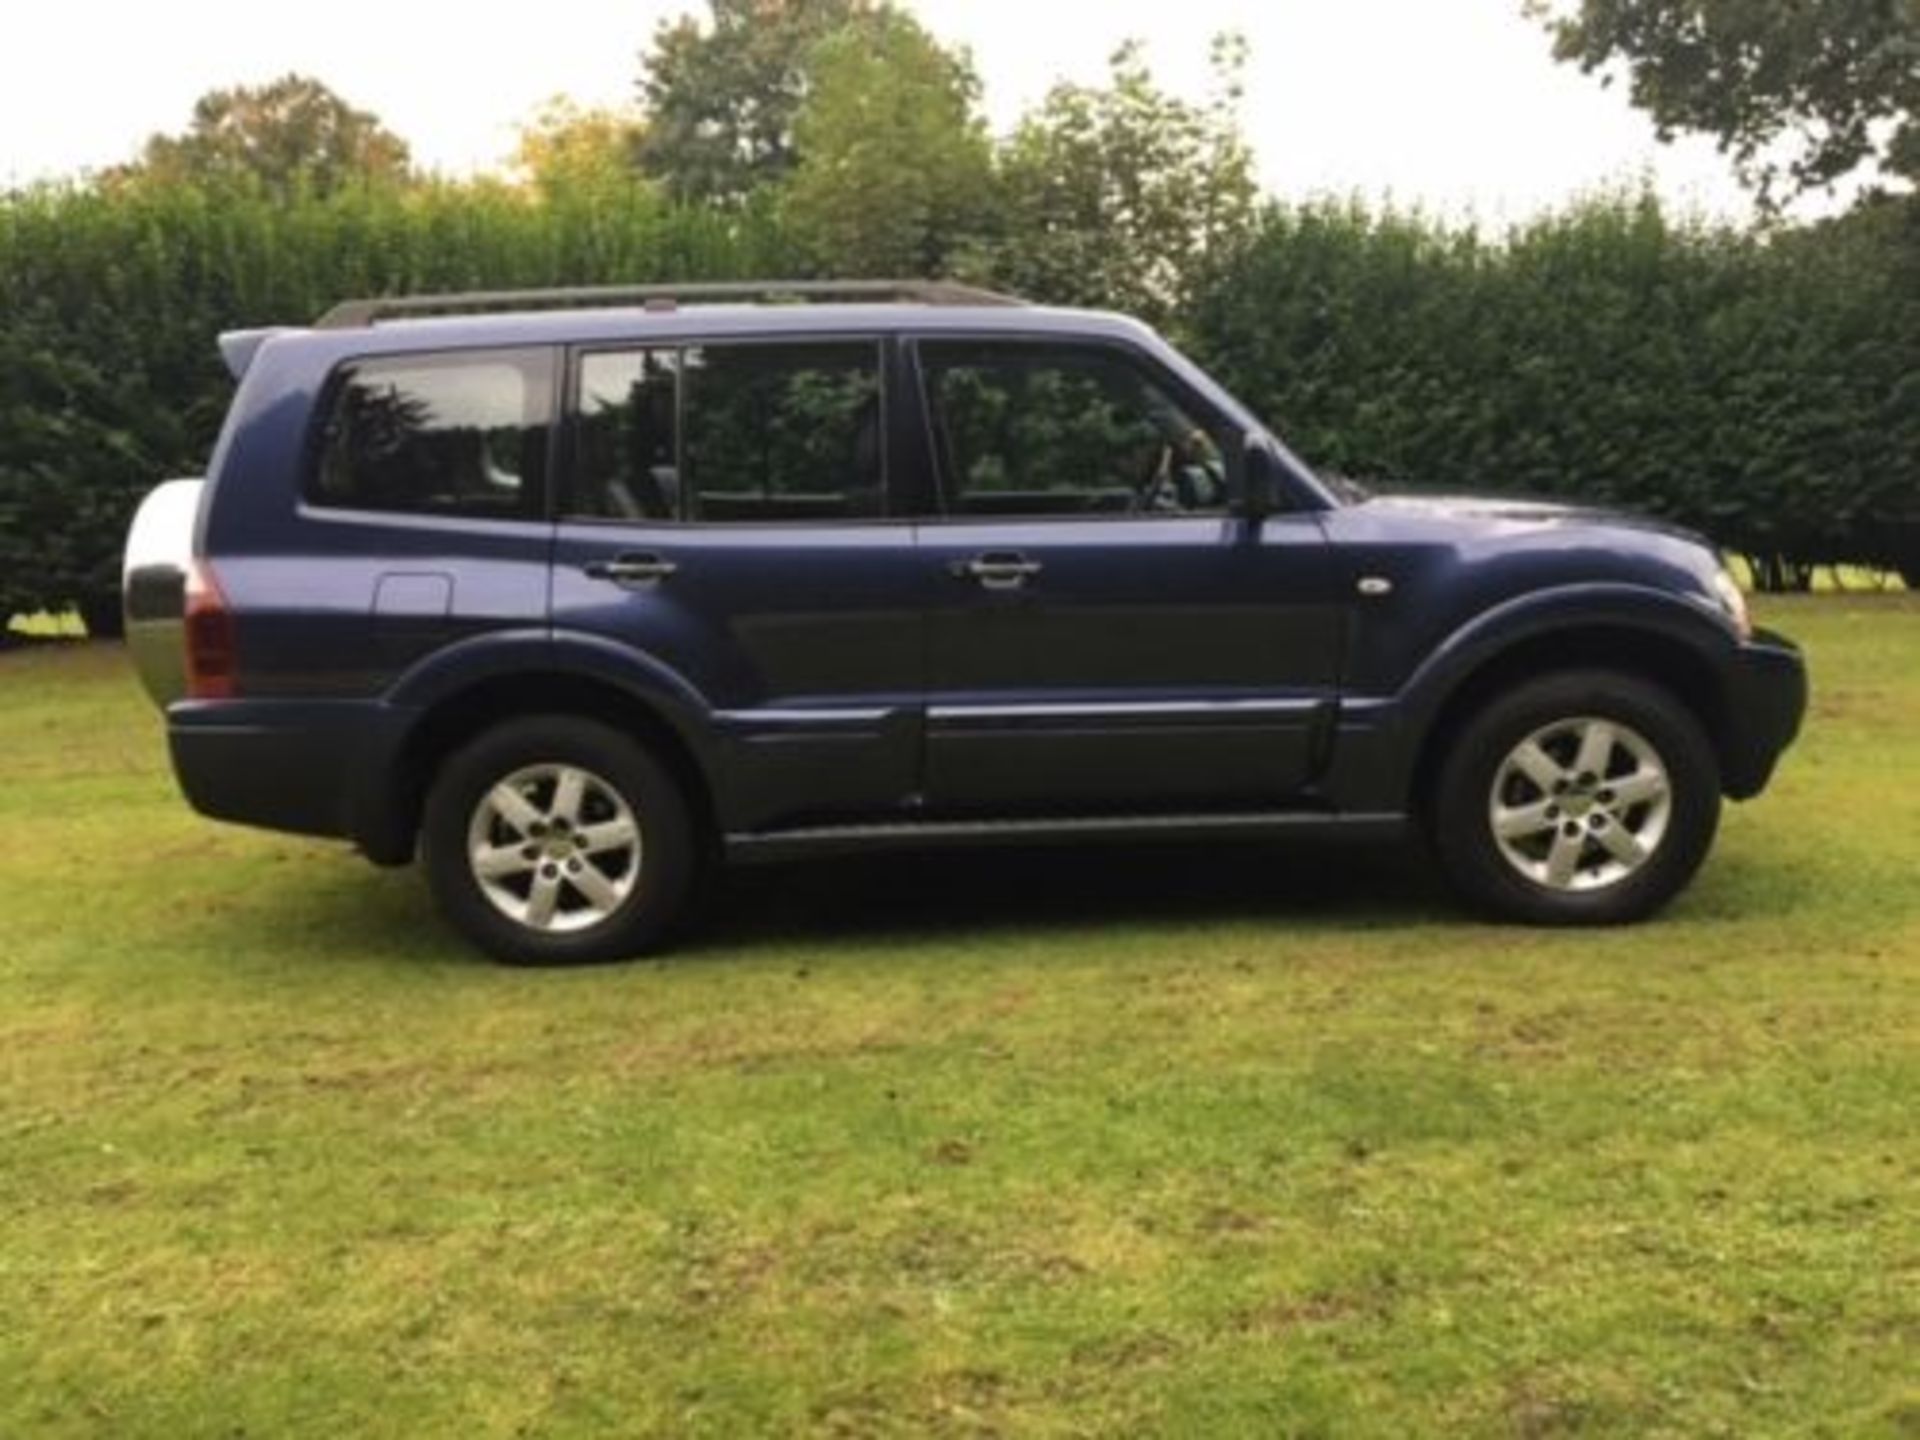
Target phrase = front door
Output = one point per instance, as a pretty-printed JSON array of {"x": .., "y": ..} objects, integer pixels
[
  {"x": 1106, "y": 635},
  {"x": 728, "y": 519}
]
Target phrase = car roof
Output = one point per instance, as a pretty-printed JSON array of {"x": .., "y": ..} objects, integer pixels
[{"x": 628, "y": 324}]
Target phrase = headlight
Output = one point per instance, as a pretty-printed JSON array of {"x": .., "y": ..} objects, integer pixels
[{"x": 1734, "y": 601}]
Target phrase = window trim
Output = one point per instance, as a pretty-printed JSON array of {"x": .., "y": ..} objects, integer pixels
[
  {"x": 576, "y": 355},
  {"x": 313, "y": 444},
  {"x": 1142, "y": 361}
]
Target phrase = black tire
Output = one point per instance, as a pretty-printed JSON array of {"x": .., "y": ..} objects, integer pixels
[
  {"x": 663, "y": 865},
  {"x": 1460, "y": 826}
]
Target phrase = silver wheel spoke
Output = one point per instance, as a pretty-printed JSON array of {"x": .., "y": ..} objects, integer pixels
[
  {"x": 1564, "y": 858},
  {"x": 1621, "y": 843},
  {"x": 1635, "y": 789},
  {"x": 1514, "y": 821},
  {"x": 607, "y": 835},
  {"x": 1596, "y": 749},
  {"x": 513, "y": 807},
  {"x": 542, "y": 900},
  {"x": 500, "y": 861},
  {"x": 568, "y": 790},
  {"x": 594, "y": 888},
  {"x": 1538, "y": 766}
]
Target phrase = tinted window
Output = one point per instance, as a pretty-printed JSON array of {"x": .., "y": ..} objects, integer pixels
[
  {"x": 730, "y": 432},
  {"x": 440, "y": 434},
  {"x": 1048, "y": 430},
  {"x": 626, "y": 460}
]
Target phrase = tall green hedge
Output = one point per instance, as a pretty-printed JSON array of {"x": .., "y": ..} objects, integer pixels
[
  {"x": 1763, "y": 389},
  {"x": 1766, "y": 389},
  {"x": 110, "y": 304}
]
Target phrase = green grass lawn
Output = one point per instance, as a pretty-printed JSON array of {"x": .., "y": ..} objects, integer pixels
[{"x": 1187, "y": 1142}]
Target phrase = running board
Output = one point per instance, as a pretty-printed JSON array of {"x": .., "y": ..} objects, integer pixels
[{"x": 1060, "y": 830}]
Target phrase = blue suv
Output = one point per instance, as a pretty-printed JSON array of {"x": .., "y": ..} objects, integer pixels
[{"x": 581, "y": 593}]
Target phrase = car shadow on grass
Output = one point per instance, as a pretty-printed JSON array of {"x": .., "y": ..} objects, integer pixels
[
  {"x": 921, "y": 897},
  {"x": 911, "y": 898},
  {"x": 943, "y": 894}
]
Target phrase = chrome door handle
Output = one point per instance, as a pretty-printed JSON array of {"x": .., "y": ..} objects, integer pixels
[
  {"x": 631, "y": 569},
  {"x": 997, "y": 570}
]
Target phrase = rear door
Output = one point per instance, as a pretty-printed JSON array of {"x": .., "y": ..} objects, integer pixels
[
  {"x": 729, "y": 516},
  {"x": 1105, "y": 633}
]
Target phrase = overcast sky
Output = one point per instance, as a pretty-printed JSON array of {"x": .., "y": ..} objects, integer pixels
[{"x": 1452, "y": 105}]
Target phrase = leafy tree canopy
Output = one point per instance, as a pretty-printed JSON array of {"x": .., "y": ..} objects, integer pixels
[
  {"x": 568, "y": 147},
  {"x": 893, "y": 168},
  {"x": 1801, "y": 95},
  {"x": 721, "y": 98},
  {"x": 289, "y": 135},
  {"x": 1116, "y": 194}
]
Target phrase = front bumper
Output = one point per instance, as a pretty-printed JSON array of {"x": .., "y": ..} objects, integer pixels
[
  {"x": 1766, "y": 701},
  {"x": 310, "y": 767}
]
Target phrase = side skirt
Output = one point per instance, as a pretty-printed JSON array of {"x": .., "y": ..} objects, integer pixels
[{"x": 1061, "y": 830}]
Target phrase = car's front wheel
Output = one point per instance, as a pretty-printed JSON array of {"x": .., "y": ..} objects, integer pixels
[
  {"x": 1586, "y": 797},
  {"x": 556, "y": 840}
]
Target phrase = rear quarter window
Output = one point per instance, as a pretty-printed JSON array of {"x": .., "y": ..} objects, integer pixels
[{"x": 462, "y": 434}]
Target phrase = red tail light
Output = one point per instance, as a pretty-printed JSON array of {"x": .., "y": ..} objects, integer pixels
[{"x": 209, "y": 625}]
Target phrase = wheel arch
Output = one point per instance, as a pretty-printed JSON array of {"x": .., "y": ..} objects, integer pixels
[
  {"x": 451, "y": 706},
  {"x": 1649, "y": 653}
]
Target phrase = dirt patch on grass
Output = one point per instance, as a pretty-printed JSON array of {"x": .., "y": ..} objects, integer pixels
[{"x": 1288, "y": 1313}]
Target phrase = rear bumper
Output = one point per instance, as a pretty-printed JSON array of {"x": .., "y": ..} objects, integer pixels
[
  {"x": 1766, "y": 701},
  {"x": 310, "y": 767}
]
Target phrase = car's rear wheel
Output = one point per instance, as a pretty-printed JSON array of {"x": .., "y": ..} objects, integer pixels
[
  {"x": 556, "y": 840},
  {"x": 1586, "y": 797}
]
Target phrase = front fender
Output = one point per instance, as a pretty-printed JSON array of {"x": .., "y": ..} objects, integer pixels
[
  {"x": 1380, "y": 739},
  {"x": 1590, "y": 606}
]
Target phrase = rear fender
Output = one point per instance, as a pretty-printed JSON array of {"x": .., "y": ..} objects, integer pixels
[
  {"x": 501, "y": 654},
  {"x": 385, "y": 806}
]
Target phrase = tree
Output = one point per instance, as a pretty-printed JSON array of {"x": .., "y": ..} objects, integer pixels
[
  {"x": 1801, "y": 95},
  {"x": 721, "y": 99},
  {"x": 893, "y": 170},
  {"x": 290, "y": 135},
  {"x": 564, "y": 147},
  {"x": 1115, "y": 196}
]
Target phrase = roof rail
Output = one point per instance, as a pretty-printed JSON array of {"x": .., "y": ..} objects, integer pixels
[{"x": 350, "y": 314}]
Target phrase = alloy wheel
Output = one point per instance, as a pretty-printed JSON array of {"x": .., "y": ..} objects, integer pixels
[
  {"x": 554, "y": 847},
  {"x": 1580, "y": 804}
]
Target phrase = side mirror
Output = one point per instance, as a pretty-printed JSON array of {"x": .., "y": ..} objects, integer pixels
[{"x": 1263, "y": 480}]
